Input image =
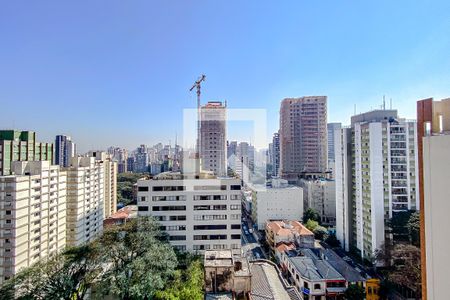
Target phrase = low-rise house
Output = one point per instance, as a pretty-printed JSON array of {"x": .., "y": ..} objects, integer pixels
[
  {"x": 121, "y": 216},
  {"x": 226, "y": 272},
  {"x": 288, "y": 232},
  {"x": 313, "y": 275}
]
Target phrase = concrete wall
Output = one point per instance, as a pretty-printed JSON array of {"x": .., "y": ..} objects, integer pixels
[{"x": 436, "y": 165}]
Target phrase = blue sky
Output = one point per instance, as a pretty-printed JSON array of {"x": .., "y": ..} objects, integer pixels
[{"x": 119, "y": 72}]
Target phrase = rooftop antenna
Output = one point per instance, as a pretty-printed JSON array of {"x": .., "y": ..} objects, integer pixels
[
  {"x": 390, "y": 103},
  {"x": 384, "y": 103},
  {"x": 354, "y": 109}
]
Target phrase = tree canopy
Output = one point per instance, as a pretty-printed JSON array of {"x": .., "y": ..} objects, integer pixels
[
  {"x": 355, "y": 292},
  {"x": 311, "y": 214},
  {"x": 131, "y": 261}
]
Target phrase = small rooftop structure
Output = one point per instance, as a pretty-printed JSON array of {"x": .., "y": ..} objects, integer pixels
[{"x": 226, "y": 272}]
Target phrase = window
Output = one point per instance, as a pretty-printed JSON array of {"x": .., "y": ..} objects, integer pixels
[
  {"x": 235, "y": 197},
  {"x": 177, "y": 218},
  {"x": 317, "y": 286},
  {"x": 143, "y": 208},
  {"x": 143, "y": 188},
  {"x": 210, "y": 227},
  {"x": 143, "y": 199},
  {"x": 210, "y": 237},
  {"x": 235, "y": 207},
  {"x": 235, "y": 236},
  {"x": 177, "y": 237},
  {"x": 235, "y": 187},
  {"x": 235, "y": 226},
  {"x": 8, "y": 212},
  {"x": 169, "y": 208}
]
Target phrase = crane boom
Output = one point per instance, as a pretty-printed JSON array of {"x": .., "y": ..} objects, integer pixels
[{"x": 198, "y": 86}]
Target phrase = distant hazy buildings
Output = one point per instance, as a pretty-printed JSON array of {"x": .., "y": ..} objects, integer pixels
[
  {"x": 21, "y": 146},
  {"x": 303, "y": 136},
  {"x": 33, "y": 215},
  {"x": 383, "y": 159},
  {"x": 275, "y": 154},
  {"x": 65, "y": 149},
  {"x": 279, "y": 201},
  {"x": 121, "y": 157},
  {"x": 198, "y": 214},
  {"x": 141, "y": 160},
  {"x": 433, "y": 119},
  {"x": 213, "y": 138}
]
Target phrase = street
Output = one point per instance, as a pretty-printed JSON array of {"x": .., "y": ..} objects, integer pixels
[{"x": 250, "y": 245}]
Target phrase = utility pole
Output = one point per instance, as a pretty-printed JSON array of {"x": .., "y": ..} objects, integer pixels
[{"x": 198, "y": 86}]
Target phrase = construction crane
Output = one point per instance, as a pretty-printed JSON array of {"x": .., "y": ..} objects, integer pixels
[{"x": 198, "y": 85}]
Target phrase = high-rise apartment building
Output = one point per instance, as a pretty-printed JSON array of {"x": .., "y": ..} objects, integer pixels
[
  {"x": 343, "y": 179},
  {"x": 213, "y": 138},
  {"x": 110, "y": 181},
  {"x": 199, "y": 212},
  {"x": 433, "y": 128},
  {"x": 85, "y": 199},
  {"x": 331, "y": 128},
  {"x": 384, "y": 183},
  {"x": 276, "y": 154},
  {"x": 303, "y": 136},
  {"x": 65, "y": 149},
  {"x": 32, "y": 214},
  {"x": 21, "y": 146}
]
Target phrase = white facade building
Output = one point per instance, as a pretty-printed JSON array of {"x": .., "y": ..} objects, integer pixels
[
  {"x": 320, "y": 195},
  {"x": 343, "y": 180},
  {"x": 383, "y": 164},
  {"x": 85, "y": 200},
  {"x": 198, "y": 214},
  {"x": 110, "y": 185},
  {"x": 279, "y": 201},
  {"x": 32, "y": 215}
]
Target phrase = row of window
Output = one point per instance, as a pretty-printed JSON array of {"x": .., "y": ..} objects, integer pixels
[
  {"x": 208, "y": 237},
  {"x": 233, "y": 187}
]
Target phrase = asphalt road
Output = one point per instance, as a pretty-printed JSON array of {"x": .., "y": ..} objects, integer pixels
[{"x": 250, "y": 245}]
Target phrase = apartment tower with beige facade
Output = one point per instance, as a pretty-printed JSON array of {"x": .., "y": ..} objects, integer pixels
[
  {"x": 303, "y": 137},
  {"x": 85, "y": 199},
  {"x": 213, "y": 138},
  {"x": 32, "y": 215}
]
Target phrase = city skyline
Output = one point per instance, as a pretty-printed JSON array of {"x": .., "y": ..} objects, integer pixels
[{"x": 119, "y": 75}]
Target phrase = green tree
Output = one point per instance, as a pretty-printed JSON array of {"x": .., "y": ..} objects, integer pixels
[
  {"x": 125, "y": 182},
  {"x": 185, "y": 285},
  {"x": 311, "y": 225},
  {"x": 320, "y": 232},
  {"x": 332, "y": 240},
  {"x": 311, "y": 214},
  {"x": 403, "y": 265},
  {"x": 140, "y": 260},
  {"x": 67, "y": 275},
  {"x": 413, "y": 227},
  {"x": 355, "y": 292}
]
